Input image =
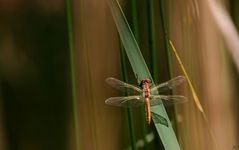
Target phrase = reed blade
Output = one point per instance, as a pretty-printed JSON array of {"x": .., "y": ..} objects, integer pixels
[{"x": 141, "y": 71}]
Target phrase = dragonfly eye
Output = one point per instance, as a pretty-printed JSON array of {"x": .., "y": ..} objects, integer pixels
[{"x": 145, "y": 81}]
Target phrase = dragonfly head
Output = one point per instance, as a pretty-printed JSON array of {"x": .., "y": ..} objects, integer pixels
[{"x": 145, "y": 81}]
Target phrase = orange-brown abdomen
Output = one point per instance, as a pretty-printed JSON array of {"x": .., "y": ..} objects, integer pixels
[
  {"x": 147, "y": 110},
  {"x": 145, "y": 85}
]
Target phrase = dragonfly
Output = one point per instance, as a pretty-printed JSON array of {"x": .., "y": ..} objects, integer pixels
[{"x": 144, "y": 94}]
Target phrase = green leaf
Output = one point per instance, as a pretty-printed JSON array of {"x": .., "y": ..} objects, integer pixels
[
  {"x": 72, "y": 68},
  {"x": 141, "y": 71}
]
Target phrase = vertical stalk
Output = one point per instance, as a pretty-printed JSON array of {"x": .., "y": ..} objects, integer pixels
[
  {"x": 72, "y": 68},
  {"x": 152, "y": 39},
  {"x": 135, "y": 30},
  {"x": 167, "y": 48},
  {"x": 152, "y": 45},
  {"x": 128, "y": 110},
  {"x": 165, "y": 35}
]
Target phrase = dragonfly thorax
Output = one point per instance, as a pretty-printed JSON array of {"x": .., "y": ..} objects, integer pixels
[{"x": 145, "y": 85}]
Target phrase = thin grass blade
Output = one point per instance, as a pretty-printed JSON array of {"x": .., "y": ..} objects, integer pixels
[
  {"x": 72, "y": 66},
  {"x": 194, "y": 94},
  {"x": 195, "y": 97},
  {"x": 128, "y": 112}
]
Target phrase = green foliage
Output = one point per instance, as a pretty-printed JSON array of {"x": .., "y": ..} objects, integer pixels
[
  {"x": 141, "y": 71},
  {"x": 72, "y": 66}
]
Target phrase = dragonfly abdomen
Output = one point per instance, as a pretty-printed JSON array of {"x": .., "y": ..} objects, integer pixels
[
  {"x": 145, "y": 85},
  {"x": 147, "y": 110}
]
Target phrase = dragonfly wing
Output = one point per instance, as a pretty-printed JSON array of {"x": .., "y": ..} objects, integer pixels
[
  {"x": 169, "y": 84},
  {"x": 167, "y": 99},
  {"x": 122, "y": 86},
  {"x": 159, "y": 119},
  {"x": 126, "y": 101}
]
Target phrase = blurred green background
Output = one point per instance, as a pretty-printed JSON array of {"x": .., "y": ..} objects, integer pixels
[{"x": 36, "y": 106}]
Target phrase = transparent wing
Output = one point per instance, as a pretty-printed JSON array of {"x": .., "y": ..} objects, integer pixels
[
  {"x": 159, "y": 119},
  {"x": 169, "y": 84},
  {"x": 126, "y": 101},
  {"x": 167, "y": 99},
  {"x": 122, "y": 86}
]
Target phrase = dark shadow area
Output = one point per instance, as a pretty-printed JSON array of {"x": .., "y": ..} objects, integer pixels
[{"x": 34, "y": 76}]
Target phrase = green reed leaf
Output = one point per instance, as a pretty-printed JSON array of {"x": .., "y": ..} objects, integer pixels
[
  {"x": 141, "y": 71},
  {"x": 72, "y": 68}
]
